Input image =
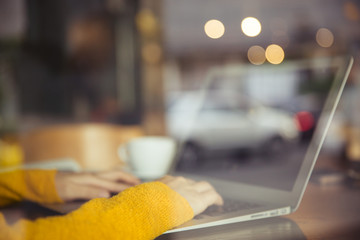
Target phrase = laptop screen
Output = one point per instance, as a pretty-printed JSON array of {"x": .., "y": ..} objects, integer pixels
[{"x": 250, "y": 124}]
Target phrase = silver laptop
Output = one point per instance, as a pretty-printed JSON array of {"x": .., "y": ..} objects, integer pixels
[{"x": 255, "y": 132}]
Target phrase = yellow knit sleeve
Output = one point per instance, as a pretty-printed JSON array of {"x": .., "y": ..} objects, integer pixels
[
  {"x": 33, "y": 185},
  {"x": 141, "y": 212}
]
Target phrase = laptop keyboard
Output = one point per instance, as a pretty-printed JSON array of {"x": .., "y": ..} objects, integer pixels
[{"x": 229, "y": 206}]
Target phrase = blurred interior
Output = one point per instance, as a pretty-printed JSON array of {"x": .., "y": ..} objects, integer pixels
[{"x": 123, "y": 62}]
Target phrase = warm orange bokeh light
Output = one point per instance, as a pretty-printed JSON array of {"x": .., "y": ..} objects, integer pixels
[
  {"x": 214, "y": 29},
  {"x": 274, "y": 54},
  {"x": 324, "y": 37},
  {"x": 151, "y": 53},
  {"x": 251, "y": 27},
  {"x": 351, "y": 11},
  {"x": 256, "y": 55}
]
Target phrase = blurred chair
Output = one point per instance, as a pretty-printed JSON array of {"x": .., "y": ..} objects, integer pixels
[{"x": 93, "y": 146}]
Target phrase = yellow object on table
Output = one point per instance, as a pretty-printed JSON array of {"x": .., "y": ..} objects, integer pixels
[{"x": 11, "y": 154}]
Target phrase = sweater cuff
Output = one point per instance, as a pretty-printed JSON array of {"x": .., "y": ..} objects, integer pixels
[
  {"x": 177, "y": 204},
  {"x": 158, "y": 207},
  {"x": 41, "y": 186}
]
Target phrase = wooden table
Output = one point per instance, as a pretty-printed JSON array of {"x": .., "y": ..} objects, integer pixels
[{"x": 329, "y": 212}]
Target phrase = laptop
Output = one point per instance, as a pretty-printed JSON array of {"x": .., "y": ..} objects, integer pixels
[
  {"x": 260, "y": 169},
  {"x": 238, "y": 133}
]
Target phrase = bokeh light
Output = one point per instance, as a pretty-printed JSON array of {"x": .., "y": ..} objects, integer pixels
[
  {"x": 214, "y": 29},
  {"x": 151, "y": 53},
  {"x": 251, "y": 27},
  {"x": 256, "y": 55},
  {"x": 274, "y": 54},
  {"x": 351, "y": 11},
  {"x": 146, "y": 22},
  {"x": 324, "y": 37}
]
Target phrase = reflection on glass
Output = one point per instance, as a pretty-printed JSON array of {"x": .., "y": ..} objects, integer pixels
[
  {"x": 251, "y": 124},
  {"x": 324, "y": 37},
  {"x": 274, "y": 54},
  {"x": 214, "y": 29},
  {"x": 281, "y": 37},
  {"x": 146, "y": 22},
  {"x": 305, "y": 121},
  {"x": 279, "y": 24},
  {"x": 151, "y": 52},
  {"x": 256, "y": 55},
  {"x": 251, "y": 27},
  {"x": 351, "y": 11}
]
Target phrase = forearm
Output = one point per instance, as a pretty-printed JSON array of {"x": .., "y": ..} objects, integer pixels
[
  {"x": 33, "y": 185},
  {"x": 141, "y": 212}
]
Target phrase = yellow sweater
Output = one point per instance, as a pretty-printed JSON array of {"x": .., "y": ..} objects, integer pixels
[{"x": 141, "y": 212}]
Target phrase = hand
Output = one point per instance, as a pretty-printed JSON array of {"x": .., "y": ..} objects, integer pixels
[
  {"x": 200, "y": 195},
  {"x": 71, "y": 186}
]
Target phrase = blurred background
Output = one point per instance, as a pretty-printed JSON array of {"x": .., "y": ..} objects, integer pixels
[{"x": 123, "y": 61}]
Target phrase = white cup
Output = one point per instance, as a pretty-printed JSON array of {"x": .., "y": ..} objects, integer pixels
[{"x": 148, "y": 157}]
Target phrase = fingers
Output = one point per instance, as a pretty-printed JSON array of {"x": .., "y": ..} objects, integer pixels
[
  {"x": 165, "y": 179},
  {"x": 85, "y": 192},
  {"x": 212, "y": 197},
  {"x": 109, "y": 185},
  {"x": 72, "y": 186},
  {"x": 175, "y": 180},
  {"x": 119, "y": 176},
  {"x": 203, "y": 186},
  {"x": 200, "y": 195},
  {"x": 209, "y": 193}
]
